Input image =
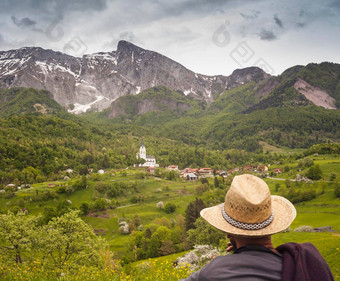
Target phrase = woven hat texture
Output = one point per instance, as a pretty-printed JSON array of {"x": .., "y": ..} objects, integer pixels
[{"x": 250, "y": 210}]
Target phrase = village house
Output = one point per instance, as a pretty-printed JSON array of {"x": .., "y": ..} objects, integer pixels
[
  {"x": 172, "y": 168},
  {"x": 191, "y": 177},
  {"x": 248, "y": 168},
  {"x": 51, "y": 185},
  {"x": 277, "y": 171},
  {"x": 101, "y": 172},
  {"x": 184, "y": 173},
  {"x": 223, "y": 173},
  {"x": 206, "y": 172},
  {"x": 151, "y": 170},
  {"x": 235, "y": 170},
  {"x": 262, "y": 168}
]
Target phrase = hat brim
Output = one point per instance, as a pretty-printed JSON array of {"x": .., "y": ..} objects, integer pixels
[{"x": 283, "y": 210}]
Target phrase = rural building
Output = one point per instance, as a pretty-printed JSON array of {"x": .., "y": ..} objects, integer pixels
[
  {"x": 248, "y": 168},
  {"x": 277, "y": 171},
  {"x": 184, "y": 173},
  {"x": 262, "y": 168},
  {"x": 150, "y": 161},
  {"x": 172, "y": 168},
  {"x": 206, "y": 172},
  {"x": 192, "y": 177},
  {"x": 151, "y": 170}
]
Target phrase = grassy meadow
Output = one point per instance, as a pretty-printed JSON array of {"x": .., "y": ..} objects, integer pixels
[{"x": 324, "y": 210}]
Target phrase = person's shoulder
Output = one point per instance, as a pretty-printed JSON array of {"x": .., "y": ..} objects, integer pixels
[
  {"x": 297, "y": 247},
  {"x": 227, "y": 259}
]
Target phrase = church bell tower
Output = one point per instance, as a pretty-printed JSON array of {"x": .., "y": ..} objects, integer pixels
[{"x": 142, "y": 150}]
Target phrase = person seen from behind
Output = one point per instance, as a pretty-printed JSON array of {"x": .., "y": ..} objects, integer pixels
[{"x": 249, "y": 216}]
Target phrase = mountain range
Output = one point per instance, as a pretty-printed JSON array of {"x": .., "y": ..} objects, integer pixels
[{"x": 94, "y": 81}]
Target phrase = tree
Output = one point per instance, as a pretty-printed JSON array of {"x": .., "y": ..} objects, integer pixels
[
  {"x": 170, "y": 208},
  {"x": 81, "y": 183},
  {"x": 314, "y": 172},
  {"x": 166, "y": 248},
  {"x": 204, "y": 180},
  {"x": 84, "y": 208},
  {"x": 277, "y": 186},
  {"x": 100, "y": 204},
  {"x": 192, "y": 212},
  {"x": 332, "y": 177},
  {"x": 16, "y": 235},
  {"x": 158, "y": 237},
  {"x": 68, "y": 239},
  {"x": 216, "y": 182},
  {"x": 204, "y": 234}
]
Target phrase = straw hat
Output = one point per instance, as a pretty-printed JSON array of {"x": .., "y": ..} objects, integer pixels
[{"x": 250, "y": 210}]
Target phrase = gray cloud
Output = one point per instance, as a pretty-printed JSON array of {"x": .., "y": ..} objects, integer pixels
[
  {"x": 52, "y": 7},
  {"x": 267, "y": 35},
  {"x": 335, "y": 4},
  {"x": 278, "y": 21},
  {"x": 25, "y": 22},
  {"x": 300, "y": 24},
  {"x": 129, "y": 36}
]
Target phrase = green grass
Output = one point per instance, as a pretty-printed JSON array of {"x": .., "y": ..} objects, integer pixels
[
  {"x": 328, "y": 245},
  {"x": 321, "y": 211}
]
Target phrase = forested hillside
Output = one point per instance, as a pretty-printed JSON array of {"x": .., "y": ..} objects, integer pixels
[
  {"x": 27, "y": 100},
  {"x": 38, "y": 134},
  {"x": 38, "y": 146}
]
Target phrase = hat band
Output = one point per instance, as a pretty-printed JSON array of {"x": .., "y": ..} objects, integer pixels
[{"x": 247, "y": 226}]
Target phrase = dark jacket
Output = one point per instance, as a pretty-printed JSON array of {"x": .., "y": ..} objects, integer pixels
[
  {"x": 295, "y": 262},
  {"x": 303, "y": 262},
  {"x": 248, "y": 263}
]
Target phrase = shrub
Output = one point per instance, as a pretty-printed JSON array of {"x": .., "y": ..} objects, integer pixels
[
  {"x": 314, "y": 172},
  {"x": 332, "y": 177},
  {"x": 160, "y": 205},
  {"x": 304, "y": 228},
  {"x": 170, "y": 208},
  {"x": 337, "y": 190},
  {"x": 305, "y": 163},
  {"x": 84, "y": 208},
  {"x": 100, "y": 204},
  {"x": 199, "y": 257}
]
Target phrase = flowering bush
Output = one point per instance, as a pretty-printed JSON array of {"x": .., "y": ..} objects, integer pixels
[
  {"x": 304, "y": 228},
  {"x": 199, "y": 256}
]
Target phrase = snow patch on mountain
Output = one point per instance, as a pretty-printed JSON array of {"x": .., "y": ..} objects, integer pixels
[{"x": 82, "y": 108}]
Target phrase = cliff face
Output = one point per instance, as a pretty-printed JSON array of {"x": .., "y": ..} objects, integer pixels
[
  {"x": 95, "y": 80},
  {"x": 154, "y": 99}
]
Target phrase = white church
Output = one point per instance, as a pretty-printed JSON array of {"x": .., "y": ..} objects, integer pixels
[{"x": 150, "y": 161}]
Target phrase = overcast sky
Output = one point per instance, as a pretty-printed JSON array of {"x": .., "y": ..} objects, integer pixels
[{"x": 206, "y": 36}]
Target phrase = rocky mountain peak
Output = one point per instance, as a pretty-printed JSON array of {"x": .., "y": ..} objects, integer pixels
[{"x": 96, "y": 80}]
